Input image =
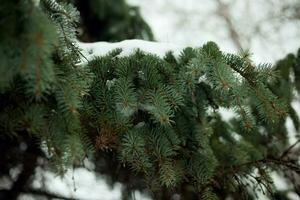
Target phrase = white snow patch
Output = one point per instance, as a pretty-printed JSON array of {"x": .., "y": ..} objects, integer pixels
[
  {"x": 227, "y": 114},
  {"x": 128, "y": 47},
  {"x": 89, "y": 186}
]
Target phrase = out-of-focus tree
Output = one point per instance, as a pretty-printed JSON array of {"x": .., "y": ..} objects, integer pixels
[{"x": 106, "y": 20}]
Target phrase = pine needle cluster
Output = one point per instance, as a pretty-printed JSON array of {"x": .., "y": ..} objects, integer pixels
[{"x": 158, "y": 116}]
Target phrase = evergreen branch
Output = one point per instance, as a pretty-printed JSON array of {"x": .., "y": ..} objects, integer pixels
[
  {"x": 287, "y": 151},
  {"x": 154, "y": 114},
  {"x": 261, "y": 183},
  {"x": 247, "y": 124},
  {"x": 276, "y": 161},
  {"x": 57, "y": 9}
]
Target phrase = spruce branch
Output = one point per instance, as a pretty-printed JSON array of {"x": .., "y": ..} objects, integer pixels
[
  {"x": 276, "y": 161},
  {"x": 155, "y": 114},
  {"x": 287, "y": 151}
]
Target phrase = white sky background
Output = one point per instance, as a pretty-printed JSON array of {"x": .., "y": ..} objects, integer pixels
[{"x": 192, "y": 23}]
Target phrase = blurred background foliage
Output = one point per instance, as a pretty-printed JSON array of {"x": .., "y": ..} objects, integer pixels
[{"x": 112, "y": 21}]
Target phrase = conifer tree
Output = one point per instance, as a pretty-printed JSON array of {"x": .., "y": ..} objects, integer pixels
[
  {"x": 151, "y": 123},
  {"x": 111, "y": 21}
]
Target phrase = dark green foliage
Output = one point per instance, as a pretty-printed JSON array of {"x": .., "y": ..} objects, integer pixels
[
  {"x": 108, "y": 20},
  {"x": 41, "y": 83},
  {"x": 173, "y": 131},
  {"x": 154, "y": 118}
]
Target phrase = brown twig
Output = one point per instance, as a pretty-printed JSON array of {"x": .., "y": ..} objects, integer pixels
[
  {"x": 224, "y": 13},
  {"x": 286, "y": 152}
]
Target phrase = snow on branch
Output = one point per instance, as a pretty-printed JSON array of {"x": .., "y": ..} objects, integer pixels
[{"x": 128, "y": 47}]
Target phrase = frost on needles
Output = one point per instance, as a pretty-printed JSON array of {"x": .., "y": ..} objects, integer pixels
[{"x": 157, "y": 117}]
